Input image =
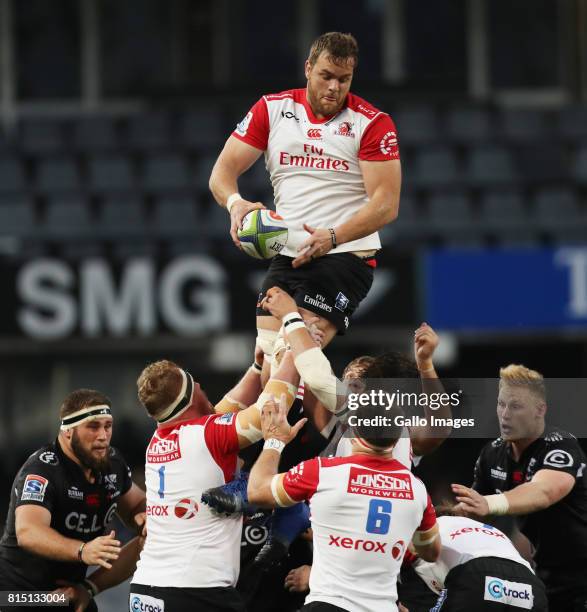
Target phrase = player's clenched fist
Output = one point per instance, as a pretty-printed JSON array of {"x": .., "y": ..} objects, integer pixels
[
  {"x": 278, "y": 302},
  {"x": 298, "y": 579},
  {"x": 425, "y": 343},
  {"x": 101, "y": 551},
  {"x": 238, "y": 212}
]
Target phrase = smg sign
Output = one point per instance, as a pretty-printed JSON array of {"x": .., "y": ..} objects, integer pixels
[{"x": 56, "y": 299}]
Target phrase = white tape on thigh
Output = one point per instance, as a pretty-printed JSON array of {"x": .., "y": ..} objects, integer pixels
[
  {"x": 266, "y": 339},
  {"x": 315, "y": 369}
]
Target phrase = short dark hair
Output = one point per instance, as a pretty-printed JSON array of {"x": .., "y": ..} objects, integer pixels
[
  {"x": 80, "y": 399},
  {"x": 382, "y": 435},
  {"x": 392, "y": 364},
  {"x": 340, "y": 48}
]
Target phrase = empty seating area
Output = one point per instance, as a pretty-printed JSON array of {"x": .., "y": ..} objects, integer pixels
[{"x": 138, "y": 184}]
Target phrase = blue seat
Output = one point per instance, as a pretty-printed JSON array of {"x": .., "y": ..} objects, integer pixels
[
  {"x": 149, "y": 131},
  {"x": 538, "y": 164},
  {"x": 525, "y": 126},
  {"x": 490, "y": 165},
  {"x": 111, "y": 174},
  {"x": 57, "y": 175},
  {"x": 436, "y": 167},
  {"x": 572, "y": 123},
  {"x": 557, "y": 207},
  {"x": 202, "y": 130},
  {"x": 12, "y": 175},
  {"x": 416, "y": 125},
  {"x": 176, "y": 217},
  {"x": 469, "y": 125},
  {"x": 163, "y": 173},
  {"x": 122, "y": 216},
  {"x": 94, "y": 133},
  {"x": 68, "y": 217},
  {"x": 451, "y": 212},
  {"x": 17, "y": 216},
  {"x": 41, "y": 136}
]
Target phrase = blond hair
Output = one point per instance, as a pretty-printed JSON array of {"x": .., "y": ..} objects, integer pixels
[
  {"x": 521, "y": 376},
  {"x": 341, "y": 48},
  {"x": 158, "y": 385}
]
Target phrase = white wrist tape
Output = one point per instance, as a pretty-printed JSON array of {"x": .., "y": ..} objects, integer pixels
[
  {"x": 274, "y": 444},
  {"x": 265, "y": 340},
  {"x": 315, "y": 369},
  {"x": 498, "y": 504},
  {"x": 235, "y": 197}
]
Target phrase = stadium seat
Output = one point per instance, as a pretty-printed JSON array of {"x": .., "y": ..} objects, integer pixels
[
  {"x": 490, "y": 165},
  {"x": 539, "y": 163},
  {"x": 416, "y": 125},
  {"x": 451, "y": 213},
  {"x": 409, "y": 222},
  {"x": 12, "y": 175},
  {"x": 505, "y": 217},
  {"x": 72, "y": 249},
  {"x": 111, "y": 174},
  {"x": 68, "y": 217},
  {"x": 149, "y": 131},
  {"x": 176, "y": 217},
  {"x": 202, "y": 130},
  {"x": 518, "y": 125},
  {"x": 435, "y": 167},
  {"x": 56, "y": 175},
  {"x": 41, "y": 136},
  {"x": 572, "y": 123},
  {"x": 121, "y": 216},
  {"x": 17, "y": 216},
  {"x": 580, "y": 166},
  {"x": 468, "y": 125},
  {"x": 128, "y": 249},
  {"x": 557, "y": 210},
  {"x": 216, "y": 221},
  {"x": 203, "y": 168},
  {"x": 94, "y": 134},
  {"x": 163, "y": 173}
]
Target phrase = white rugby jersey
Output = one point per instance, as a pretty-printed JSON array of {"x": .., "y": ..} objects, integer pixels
[
  {"x": 313, "y": 163},
  {"x": 464, "y": 539},
  {"x": 364, "y": 512},
  {"x": 402, "y": 451},
  {"x": 187, "y": 545}
]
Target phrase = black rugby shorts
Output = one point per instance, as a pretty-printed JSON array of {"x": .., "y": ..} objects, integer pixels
[
  {"x": 485, "y": 584},
  {"x": 331, "y": 286},
  {"x": 214, "y": 599}
]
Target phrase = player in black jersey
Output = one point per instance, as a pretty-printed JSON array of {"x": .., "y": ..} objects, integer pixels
[
  {"x": 537, "y": 472},
  {"x": 62, "y": 501}
]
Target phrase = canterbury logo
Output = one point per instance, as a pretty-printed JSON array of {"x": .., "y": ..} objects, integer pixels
[{"x": 314, "y": 133}]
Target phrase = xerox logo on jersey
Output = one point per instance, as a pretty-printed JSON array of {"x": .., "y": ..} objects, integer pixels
[
  {"x": 388, "y": 144},
  {"x": 314, "y": 133},
  {"x": 380, "y": 484},
  {"x": 167, "y": 449}
]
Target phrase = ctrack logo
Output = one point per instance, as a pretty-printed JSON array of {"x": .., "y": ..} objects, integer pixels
[
  {"x": 314, "y": 134},
  {"x": 517, "y": 594}
]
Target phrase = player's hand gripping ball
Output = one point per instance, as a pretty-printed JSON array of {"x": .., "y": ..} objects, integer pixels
[{"x": 263, "y": 234}]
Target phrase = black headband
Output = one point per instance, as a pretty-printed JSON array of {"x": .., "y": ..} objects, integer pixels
[{"x": 184, "y": 402}]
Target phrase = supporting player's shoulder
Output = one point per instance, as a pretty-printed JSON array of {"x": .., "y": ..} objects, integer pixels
[
  {"x": 288, "y": 94},
  {"x": 45, "y": 457},
  {"x": 361, "y": 107}
]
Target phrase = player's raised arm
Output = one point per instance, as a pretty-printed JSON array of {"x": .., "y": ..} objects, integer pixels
[
  {"x": 284, "y": 382},
  {"x": 310, "y": 361},
  {"x": 242, "y": 149}
]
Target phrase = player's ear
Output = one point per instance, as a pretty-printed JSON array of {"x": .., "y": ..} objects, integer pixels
[{"x": 307, "y": 68}]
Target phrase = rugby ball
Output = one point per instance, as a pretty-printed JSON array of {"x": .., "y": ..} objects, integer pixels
[
  {"x": 186, "y": 508},
  {"x": 263, "y": 234}
]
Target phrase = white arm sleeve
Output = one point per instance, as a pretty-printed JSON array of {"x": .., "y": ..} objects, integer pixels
[{"x": 314, "y": 368}]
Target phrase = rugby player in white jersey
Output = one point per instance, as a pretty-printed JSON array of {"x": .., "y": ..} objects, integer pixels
[
  {"x": 333, "y": 161},
  {"x": 365, "y": 510},
  {"x": 478, "y": 569},
  {"x": 191, "y": 554}
]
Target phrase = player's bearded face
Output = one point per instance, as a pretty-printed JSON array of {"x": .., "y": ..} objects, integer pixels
[
  {"x": 328, "y": 84},
  {"x": 90, "y": 443}
]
